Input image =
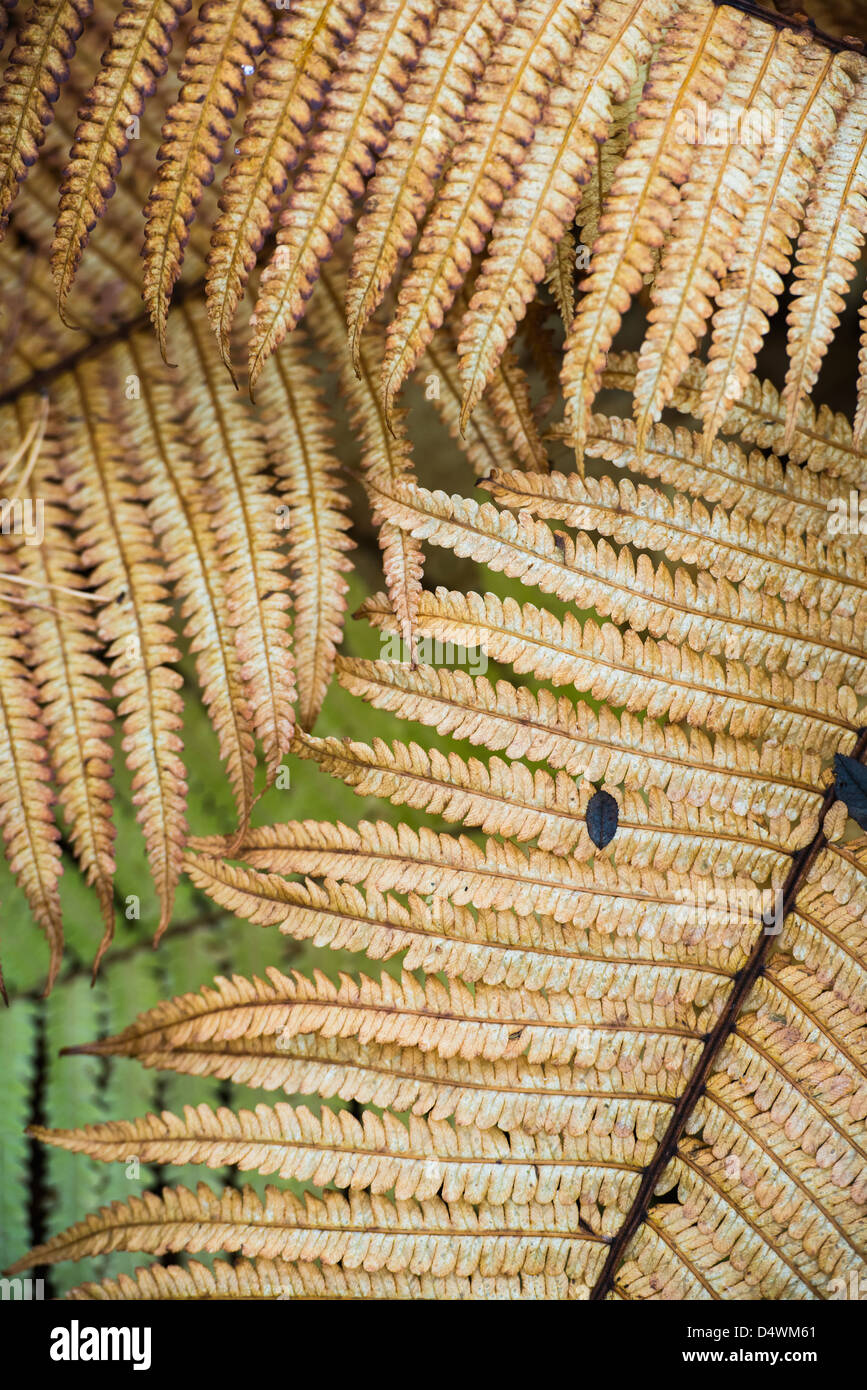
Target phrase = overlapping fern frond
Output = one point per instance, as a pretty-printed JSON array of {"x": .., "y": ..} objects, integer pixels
[
  {"x": 632, "y": 1069},
  {"x": 462, "y": 129}
]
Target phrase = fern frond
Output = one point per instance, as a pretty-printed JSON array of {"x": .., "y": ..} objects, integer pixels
[
  {"x": 133, "y": 63},
  {"x": 709, "y": 615},
  {"x": 178, "y": 511},
  {"x": 29, "y": 833},
  {"x": 301, "y": 455},
  {"x": 133, "y": 620},
  {"x": 703, "y": 240},
  {"x": 68, "y": 673},
  {"x": 419, "y": 1160},
  {"x": 386, "y": 451},
  {"x": 687, "y": 78},
  {"x": 429, "y": 125},
  {"x": 835, "y": 227},
  {"x": 228, "y": 36},
  {"x": 771, "y": 1179},
  {"x": 279, "y": 1279},
  {"x": 510, "y": 1092},
  {"x": 823, "y": 439},
  {"x": 817, "y": 95},
  {"x": 501, "y": 123},
  {"x": 635, "y": 673},
  {"x": 290, "y": 84},
  {"x": 38, "y": 66},
  {"x": 432, "y": 1234},
  {"x": 229, "y": 445},
  {"x": 544, "y": 198},
  {"x": 545, "y": 728},
  {"x": 370, "y": 84},
  {"x": 826, "y": 573}
]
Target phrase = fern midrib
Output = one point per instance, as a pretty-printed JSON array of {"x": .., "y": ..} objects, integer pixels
[
  {"x": 206, "y": 1140},
  {"x": 725, "y": 1026},
  {"x": 198, "y": 1048}
]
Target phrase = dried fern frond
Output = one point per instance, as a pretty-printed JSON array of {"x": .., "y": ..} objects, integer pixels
[
  {"x": 228, "y": 35},
  {"x": 484, "y": 120},
  {"x": 357, "y": 116},
  {"x": 611, "y": 1042}
]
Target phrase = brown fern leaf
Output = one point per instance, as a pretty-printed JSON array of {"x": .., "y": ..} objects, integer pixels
[
  {"x": 177, "y": 498},
  {"x": 818, "y": 95},
  {"x": 418, "y": 1160},
  {"x": 634, "y": 673},
  {"x": 500, "y": 123},
  {"x": 134, "y": 61},
  {"x": 704, "y": 237},
  {"x": 281, "y": 1279},
  {"x": 708, "y": 616},
  {"x": 38, "y": 66},
  {"x": 699, "y": 47},
  {"x": 301, "y": 455},
  {"x": 386, "y": 452},
  {"x": 289, "y": 87},
  {"x": 370, "y": 84},
  {"x": 447, "y": 1236},
  {"x": 133, "y": 620},
  {"x": 68, "y": 672},
  {"x": 542, "y": 203},
  {"x": 823, "y": 439},
  {"x": 29, "y": 833},
  {"x": 571, "y": 737},
  {"x": 228, "y": 36},
  {"x": 831, "y": 574},
  {"x": 428, "y": 126},
  {"x": 835, "y": 227},
  {"x": 246, "y": 516}
]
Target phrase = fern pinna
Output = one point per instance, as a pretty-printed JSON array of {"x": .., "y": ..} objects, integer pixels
[{"x": 620, "y": 1062}]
